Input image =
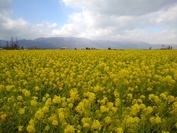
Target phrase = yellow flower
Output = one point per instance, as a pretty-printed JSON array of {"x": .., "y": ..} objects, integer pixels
[
  {"x": 79, "y": 127},
  {"x": 39, "y": 114},
  {"x": 47, "y": 95},
  {"x": 34, "y": 97},
  {"x": 151, "y": 96},
  {"x": 20, "y": 128},
  {"x": 116, "y": 94},
  {"x": 70, "y": 105},
  {"x": 165, "y": 132},
  {"x": 69, "y": 129},
  {"x": 64, "y": 104},
  {"x": 56, "y": 99},
  {"x": 129, "y": 121},
  {"x": 19, "y": 98},
  {"x": 140, "y": 101},
  {"x": 135, "y": 109},
  {"x": 32, "y": 122},
  {"x": 55, "y": 122},
  {"x": 107, "y": 120},
  {"x": 45, "y": 109},
  {"x": 104, "y": 100},
  {"x": 149, "y": 89},
  {"x": 21, "y": 111},
  {"x": 136, "y": 119},
  {"x": 9, "y": 87},
  {"x": 33, "y": 102},
  {"x": 152, "y": 119},
  {"x": 114, "y": 109},
  {"x": 80, "y": 108},
  {"x": 134, "y": 101},
  {"x": 91, "y": 96},
  {"x": 86, "y": 125},
  {"x": 157, "y": 120},
  {"x": 117, "y": 102},
  {"x": 61, "y": 116},
  {"x": 52, "y": 118},
  {"x": 48, "y": 102},
  {"x": 74, "y": 94},
  {"x": 142, "y": 97},
  {"x": 148, "y": 110},
  {"x": 26, "y": 92},
  {"x": 168, "y": 78},
  {"x": 176, "y": 125},
  {"x": 86, "y": 120},
  {"x": 43, "y": 99},
  {"x": 3, "y": 117},
  {"x": 119, "y": 130},
  {"x": 96, "y": 125},
  {"x": 163, "y": 96},
  {"x": 110, "y": 104},
  {"x": 175, "y": 76},
  {"x": 47, "y": 128},
  {"x": 37, "y": 88},
  {"x": 31, "y": 128},
  {"x": 170, "y": 98},
  {"x": 103, "y": 109},
  {"x": 129, "y": 96}
]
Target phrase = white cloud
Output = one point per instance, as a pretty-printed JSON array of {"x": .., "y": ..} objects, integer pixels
[
  {"x": 167, "y": 17},
  {"x": 23, "y": 29},
  {"x": 47, "y": 24},
  {"x": 14, "y": 24},
  {"x": 121, "y": 7},
  {"x": 143, "y": 20},
  {"x": 164, "y": 36}
]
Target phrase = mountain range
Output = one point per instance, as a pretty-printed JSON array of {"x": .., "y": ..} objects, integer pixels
[{"x": 82, "y": 43}]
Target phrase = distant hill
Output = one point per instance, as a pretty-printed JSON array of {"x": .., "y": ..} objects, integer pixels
[
  {"x": 80, "y": 43},
  {"x": 159, "y": 46}
]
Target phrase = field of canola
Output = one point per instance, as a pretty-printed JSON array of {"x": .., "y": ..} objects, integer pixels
[{"x": 80, "y": 91}]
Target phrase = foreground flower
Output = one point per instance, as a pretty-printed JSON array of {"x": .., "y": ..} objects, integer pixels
[
  {"x": 96, "y": 125},
  {"x": 20, "y": 128},
  {"x": 30, "y": 128},
  {"x": 55, "y": 122},
  {"x": 3, "y": 117},
  {"x": 21, "y": 111},
  {"x": 69, "y": 129},
  {"x": 119, "y": 130}
]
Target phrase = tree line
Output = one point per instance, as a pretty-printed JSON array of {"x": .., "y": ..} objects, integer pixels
[{"x": 12, "y": 44}]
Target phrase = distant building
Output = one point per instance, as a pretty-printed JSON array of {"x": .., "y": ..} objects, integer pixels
[{"x": 63, "y": 48}]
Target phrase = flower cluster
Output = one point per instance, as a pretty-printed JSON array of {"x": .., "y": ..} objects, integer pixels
[{"x": 73, "y": 91}]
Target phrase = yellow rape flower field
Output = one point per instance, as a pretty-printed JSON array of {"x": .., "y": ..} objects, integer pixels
[{"x": 84, "y": 91}]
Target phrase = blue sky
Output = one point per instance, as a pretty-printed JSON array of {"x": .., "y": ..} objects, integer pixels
[
  {"x": 146, "y": 20},
  {"x": 36, "y": 11}
]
